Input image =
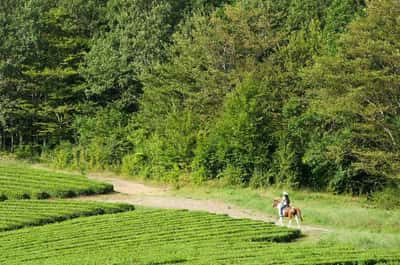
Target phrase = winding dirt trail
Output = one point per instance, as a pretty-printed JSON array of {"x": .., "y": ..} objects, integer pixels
[{"x": 140, "y": 194}]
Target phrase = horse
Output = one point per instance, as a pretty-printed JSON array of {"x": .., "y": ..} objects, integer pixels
[{"x": 289, "y": 212}]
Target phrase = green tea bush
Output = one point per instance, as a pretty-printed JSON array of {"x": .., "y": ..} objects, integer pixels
[
  {"x": 153, "y": 236},
  {"x": 24, "y": 213},
  {"x": 19, "y": 181}
]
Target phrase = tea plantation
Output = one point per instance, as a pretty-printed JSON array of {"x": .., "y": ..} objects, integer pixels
[
  {"x": 172, "y": 237},
  {"x": 22, "y": 213},
  {"x": 72, "y": 232},
  {"x": 23, "y": 182}
]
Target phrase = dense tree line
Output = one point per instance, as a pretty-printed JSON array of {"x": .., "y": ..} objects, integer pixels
[{"x": 303, "y": 93}]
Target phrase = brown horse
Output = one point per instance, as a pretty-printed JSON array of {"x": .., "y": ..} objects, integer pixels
[{"x": 289, "y": 212}]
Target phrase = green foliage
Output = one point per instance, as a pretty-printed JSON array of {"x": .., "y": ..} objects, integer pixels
[
  {"x": 241, "y": 140},
  {"x": 25, "y": 182},
  {"x": 345, "y": 94},
  {"x": 298, "y": 93},
  {"x": 101, "y": 143},
  {"x": 137, "y": 37},
  {"x": 339, "y": 14},
  {"x": 138, "y": 32},
  {"x": 303, "y": 12},
  {"x": 102, "y": 138},
  {"x": 134, "y": 165},
  {"x": 163, "y": 156},
  {"x": 387, "y": 199},
  {"x": 26, "y": 152},
  {"x": 24, "y": 213},
  {"x": 40, "y": 86},
  {"x": 62, "y": 156},
  {"x": 208, "y": 58}
]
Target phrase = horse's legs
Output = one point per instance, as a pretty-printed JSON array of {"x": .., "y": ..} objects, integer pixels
[
  {"x": 290, "y": 221},
  {"x": 297, "y": 221},
  {"x": 280, "y": 222}
]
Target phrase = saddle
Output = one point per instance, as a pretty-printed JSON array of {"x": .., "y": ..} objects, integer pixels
[{"x": 287, "y": 210}]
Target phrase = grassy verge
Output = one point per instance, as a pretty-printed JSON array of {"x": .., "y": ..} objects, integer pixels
[{"x": 350, "y": 219}]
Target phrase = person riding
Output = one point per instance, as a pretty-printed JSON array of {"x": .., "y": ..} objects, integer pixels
[{"x": 285, "y": 203}]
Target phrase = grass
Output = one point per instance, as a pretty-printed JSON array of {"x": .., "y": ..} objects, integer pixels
[
  {"x": 351, "y": 220},
  {"x": 21, "y": 181},
  {"x": 150, "y": 236}
]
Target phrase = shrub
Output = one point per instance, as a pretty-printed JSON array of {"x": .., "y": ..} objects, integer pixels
[
  {"x": 26, "y": 152},
  {"x": 232, "y": 175},
  {"x": 134, "y": 164},
  {"x": 63, "y": 155},
  {"x": 3, "y": 197},
  {"x": 261, "y": 178},
  {"x": 388, "y": 198}
]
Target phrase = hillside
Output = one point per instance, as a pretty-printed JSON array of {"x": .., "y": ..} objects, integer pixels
[
  {"x": 296, "y": 93},
  {"x": 161, "y": 131}
]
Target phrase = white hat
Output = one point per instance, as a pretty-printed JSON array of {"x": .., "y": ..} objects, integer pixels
[{"x": 285, "y": 193}]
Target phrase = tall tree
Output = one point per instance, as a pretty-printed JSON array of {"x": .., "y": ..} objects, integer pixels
[
  {"x": 357, "y": 99},
  {"x": 40, "y": 53}
]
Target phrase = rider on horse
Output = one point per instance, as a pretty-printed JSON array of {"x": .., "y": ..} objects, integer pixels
[
  {"x": 291, "y": 212},
  {"x": 285, "y": 202}
]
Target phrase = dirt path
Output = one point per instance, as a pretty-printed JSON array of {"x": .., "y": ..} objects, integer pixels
[{"x": 141, "y": 194}]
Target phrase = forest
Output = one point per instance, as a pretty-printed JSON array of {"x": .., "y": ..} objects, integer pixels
[{"x": 297, "y": 93}]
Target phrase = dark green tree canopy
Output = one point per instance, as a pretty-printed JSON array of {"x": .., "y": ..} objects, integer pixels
[{"x": 299, "y": 93}]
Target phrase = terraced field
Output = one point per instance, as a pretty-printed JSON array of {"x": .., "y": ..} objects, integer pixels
[
  {"x": 172, "y": 237},
  {"x": 22, "y": 213},
  {"x": 40, "y": 232},
  {"x": 23, "y": 182}
]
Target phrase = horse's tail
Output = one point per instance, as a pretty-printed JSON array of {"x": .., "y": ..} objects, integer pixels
[{"x": 299, "y": 214}]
